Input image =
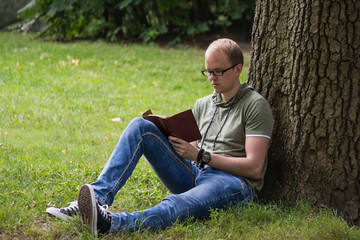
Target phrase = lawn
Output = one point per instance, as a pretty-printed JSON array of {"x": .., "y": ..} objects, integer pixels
[{"x": 63, "y": 107}]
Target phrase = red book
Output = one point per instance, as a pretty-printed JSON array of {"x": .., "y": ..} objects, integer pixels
[{"x": 182, "y": 125}]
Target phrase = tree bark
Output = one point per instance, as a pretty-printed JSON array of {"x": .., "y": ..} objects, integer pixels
[{"x": 306, "y": 61}]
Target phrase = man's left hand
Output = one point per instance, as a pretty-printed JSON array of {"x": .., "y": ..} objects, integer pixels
[{"x": 183, "y": 148}]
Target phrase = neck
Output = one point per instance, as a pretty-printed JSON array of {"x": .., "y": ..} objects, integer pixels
[{"x": 228, "y": 95}]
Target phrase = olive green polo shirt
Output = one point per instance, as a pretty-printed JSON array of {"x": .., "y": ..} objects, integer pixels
[{"x": 246, "y": 114}]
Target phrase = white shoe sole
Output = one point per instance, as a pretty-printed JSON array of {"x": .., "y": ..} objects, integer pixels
[
  {"x": 55, "y": 212},
  {"x": 87, "y": 207}
]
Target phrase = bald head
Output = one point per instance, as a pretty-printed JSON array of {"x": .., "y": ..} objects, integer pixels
[{"x": 230, "y": 48}]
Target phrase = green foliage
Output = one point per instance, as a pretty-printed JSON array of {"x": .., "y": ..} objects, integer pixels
[
  {"x": 57, "y": 102},
  {"x": 128, "y": 19},
  {"x": 8, "y": 10}
]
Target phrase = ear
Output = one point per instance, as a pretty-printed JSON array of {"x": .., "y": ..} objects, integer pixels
[{"x": 239, "y": 68}]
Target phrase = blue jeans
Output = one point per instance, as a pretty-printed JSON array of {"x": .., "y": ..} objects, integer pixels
[{"x": 194, "y": 191}]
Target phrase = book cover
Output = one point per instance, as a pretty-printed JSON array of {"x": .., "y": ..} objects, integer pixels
[{"x": 181, "y": 125}]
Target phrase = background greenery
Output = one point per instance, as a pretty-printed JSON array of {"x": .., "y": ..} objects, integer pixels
[
  {"x": 8, "y": 11},
  {"x": 57, "y": 105},
  {"x": 138, "y": 19}
]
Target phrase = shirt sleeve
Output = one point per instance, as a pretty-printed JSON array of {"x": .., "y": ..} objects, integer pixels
[{"x": 259, "y": 120}]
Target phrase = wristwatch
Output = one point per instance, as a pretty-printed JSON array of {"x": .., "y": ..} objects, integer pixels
[{"x": 206, "y": 158}]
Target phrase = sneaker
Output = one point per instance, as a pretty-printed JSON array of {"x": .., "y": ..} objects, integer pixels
[
  {"x": 65, "y": 213},
  {"x": 104, "y": 219},
  {"x": 92, "y": 213}
]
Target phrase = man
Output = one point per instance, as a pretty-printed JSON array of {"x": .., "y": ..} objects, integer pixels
[{"x": 230, "y": 160}]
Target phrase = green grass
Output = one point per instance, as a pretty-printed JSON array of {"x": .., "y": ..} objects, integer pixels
[{"x": 56, "y": 105}]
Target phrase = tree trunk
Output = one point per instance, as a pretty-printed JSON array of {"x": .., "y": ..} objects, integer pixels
[{"x": 306, "y": 61}]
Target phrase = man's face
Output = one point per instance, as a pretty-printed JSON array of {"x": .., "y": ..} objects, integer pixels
[{"x": 216, "y": 60}]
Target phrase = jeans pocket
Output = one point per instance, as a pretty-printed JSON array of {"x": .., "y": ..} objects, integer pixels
[
  {"x": 245, "y": 193},
  {"x": 202, "y": 175},
  {"x": 204, "y": 170}
]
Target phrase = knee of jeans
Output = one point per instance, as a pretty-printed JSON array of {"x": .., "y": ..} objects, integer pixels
[{"x": 139, "y": 122}]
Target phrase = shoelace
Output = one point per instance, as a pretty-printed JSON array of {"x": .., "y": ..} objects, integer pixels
[
  {"x": 70, "y": 210},
  {"x": 73, "y": 209},
  {"x": 104, "y": 212}
]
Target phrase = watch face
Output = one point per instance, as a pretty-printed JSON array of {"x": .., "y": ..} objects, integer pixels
[{"x": 206, "y": 157}]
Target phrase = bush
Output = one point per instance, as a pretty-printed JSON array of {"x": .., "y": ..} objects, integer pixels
[
  {"x": 8, "y": 9},
  {"x": 139, "y": 19}
]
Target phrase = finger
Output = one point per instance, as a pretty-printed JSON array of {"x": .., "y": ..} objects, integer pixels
[{"x": 175, "y": 139}]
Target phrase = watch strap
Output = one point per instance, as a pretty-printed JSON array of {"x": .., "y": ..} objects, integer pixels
[{"x": 199, "y": 157}]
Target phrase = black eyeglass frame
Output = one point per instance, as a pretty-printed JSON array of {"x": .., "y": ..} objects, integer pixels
[{"x": 204, "y": 71}]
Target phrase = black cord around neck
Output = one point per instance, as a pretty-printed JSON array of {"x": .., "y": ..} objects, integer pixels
[{"x": 212, "y": 119}]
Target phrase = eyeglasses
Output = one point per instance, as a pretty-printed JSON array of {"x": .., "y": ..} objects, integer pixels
[{"x": 216, "y": 72}]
